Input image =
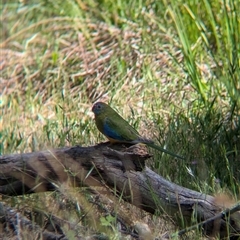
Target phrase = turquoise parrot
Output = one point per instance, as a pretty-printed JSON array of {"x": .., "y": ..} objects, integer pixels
[{"x": 116, "y": 129}]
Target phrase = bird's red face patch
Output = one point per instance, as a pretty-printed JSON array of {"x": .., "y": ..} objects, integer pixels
[{"x": 97, "y": 107}]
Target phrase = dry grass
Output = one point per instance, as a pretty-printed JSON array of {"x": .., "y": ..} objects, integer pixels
[{"x": 74, "y": 70}]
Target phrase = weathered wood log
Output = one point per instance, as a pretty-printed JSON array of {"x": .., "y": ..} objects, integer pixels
[{"x": 121, "y": 168}]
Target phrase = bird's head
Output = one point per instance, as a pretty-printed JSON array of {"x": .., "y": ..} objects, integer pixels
[{"x": 99, "y": 107}]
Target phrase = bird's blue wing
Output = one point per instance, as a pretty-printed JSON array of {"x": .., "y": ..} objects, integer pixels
[{"x": 111, "y": 130}]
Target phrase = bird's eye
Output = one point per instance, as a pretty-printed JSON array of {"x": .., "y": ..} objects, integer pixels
[{"x": 98, "y": 106}]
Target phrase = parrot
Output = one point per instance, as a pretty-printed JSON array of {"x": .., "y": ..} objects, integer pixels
[{"x": 118, "y": 130}]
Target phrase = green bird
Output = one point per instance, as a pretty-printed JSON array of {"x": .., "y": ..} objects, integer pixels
[{"x": 116, "y": 129}]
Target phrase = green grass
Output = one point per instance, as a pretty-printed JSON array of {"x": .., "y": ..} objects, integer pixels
[{"x": 171, "y": 68}]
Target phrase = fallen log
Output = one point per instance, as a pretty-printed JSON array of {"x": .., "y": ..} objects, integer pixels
[{"x": 121, "y": 168}]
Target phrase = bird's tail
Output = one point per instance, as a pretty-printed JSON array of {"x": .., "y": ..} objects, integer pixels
[
  {"x": 152, "y": 145},
  {"x": 143, "y": 140}
]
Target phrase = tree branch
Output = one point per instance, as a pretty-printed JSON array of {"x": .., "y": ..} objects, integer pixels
[{"x": 121, "y": 168}]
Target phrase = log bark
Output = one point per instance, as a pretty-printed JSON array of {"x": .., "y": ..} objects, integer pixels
[{"x": 121, "y": 168}]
